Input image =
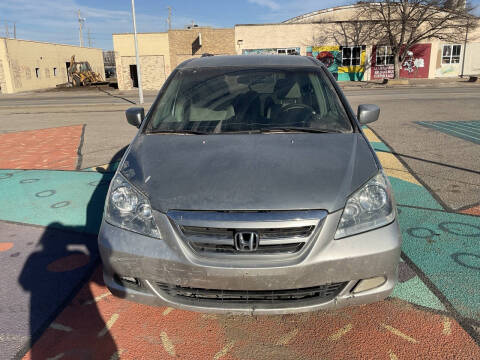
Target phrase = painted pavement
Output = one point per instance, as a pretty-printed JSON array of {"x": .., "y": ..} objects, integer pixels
[{"x": 48, "y": 250}]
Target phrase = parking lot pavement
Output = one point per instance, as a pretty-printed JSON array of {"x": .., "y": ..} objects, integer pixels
[
  {"x": 445, "y": 161},
  {"x": 47, "y": 253}
]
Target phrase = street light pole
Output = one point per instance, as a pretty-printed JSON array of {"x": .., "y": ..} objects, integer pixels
[{"x": 139, "y": 76}]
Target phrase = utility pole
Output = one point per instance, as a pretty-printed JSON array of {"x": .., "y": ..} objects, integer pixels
[
  {"x": 89, "y": 38},
  {"x": 14, "y": 30},
  {"x": 464, "y": 50},
  {"x": 7, "y": 35},
  {"x": 139, "y": 74},
  {"x": 80, "y": 26},
  {"x": 169, "y": 19}
]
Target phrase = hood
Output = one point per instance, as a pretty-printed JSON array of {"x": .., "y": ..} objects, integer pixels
[{"x": 294, "y": 171}]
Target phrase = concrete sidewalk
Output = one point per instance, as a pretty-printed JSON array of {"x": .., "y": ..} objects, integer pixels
[{"x": 412, "y": 83}]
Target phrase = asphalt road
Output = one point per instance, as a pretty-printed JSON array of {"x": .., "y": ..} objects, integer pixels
[{"x": 446, "y": 164}]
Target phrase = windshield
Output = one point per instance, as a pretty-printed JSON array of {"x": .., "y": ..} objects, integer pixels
[{"x": 228, "y": 100}]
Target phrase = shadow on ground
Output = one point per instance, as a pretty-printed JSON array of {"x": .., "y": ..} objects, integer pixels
[{"x": 63, "y": 260}]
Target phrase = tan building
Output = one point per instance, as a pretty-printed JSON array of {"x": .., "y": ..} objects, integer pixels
[
  {"x": 31, "y": 65},
  {"x": 160, "y": 53},
  {"x": 311, "y": 35}
]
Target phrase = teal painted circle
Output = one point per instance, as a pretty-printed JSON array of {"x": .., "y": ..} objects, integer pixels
[
  {"x": 471, "y": 261},
  {"x": 458, "y": 228},
  {"x": 60, "y": 204},
  {"x": 45, "y": 193},
  {"x": 421, "y": 233},
  {"x": 28, "y": 181}
]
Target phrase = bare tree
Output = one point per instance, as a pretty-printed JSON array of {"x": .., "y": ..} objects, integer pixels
[{"x": 401, "y": 24}]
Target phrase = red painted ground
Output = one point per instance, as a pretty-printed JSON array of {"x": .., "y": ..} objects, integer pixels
[
  {"x": 390, "y": 329},
  {"x": 53, "y": 148},
  {"x": 5, "y": 246},
  {"x": 472, "y": 211}
]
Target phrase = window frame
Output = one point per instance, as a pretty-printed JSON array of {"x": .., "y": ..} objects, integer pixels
[
  {"x": 286, "y": 50},
  {"x": 360, "y": 47},
  {"x": 386, "y": 56},
  {"x": 451, "y": 56}
]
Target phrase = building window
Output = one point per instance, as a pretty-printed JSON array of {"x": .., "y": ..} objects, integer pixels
[
  {"x": 54, "y": 71},
  {"x": 351, "y": 55},
  {"x": 37, "y": 72},
  {"x": 384, "y": 56},
  {"x": 288, "y": 51},
  {"x": 451, "y": 54}
]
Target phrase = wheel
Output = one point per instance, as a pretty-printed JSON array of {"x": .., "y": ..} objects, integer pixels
[{"x": 76, "y": 80}]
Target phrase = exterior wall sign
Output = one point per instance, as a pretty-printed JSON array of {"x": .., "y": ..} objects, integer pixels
[
  {"x": 272, "y": 51},
  {"x": 415, "y": 65}
]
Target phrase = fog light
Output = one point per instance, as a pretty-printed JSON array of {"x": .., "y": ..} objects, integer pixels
[
  {"x": 368, "y": 284},
  {"x": 128, "y": 281}
]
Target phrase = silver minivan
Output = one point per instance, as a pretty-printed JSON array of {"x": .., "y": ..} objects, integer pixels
[{"x": 250, "y": 188}]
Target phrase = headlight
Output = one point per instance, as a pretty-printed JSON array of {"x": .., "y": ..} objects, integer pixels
[
  {"x": 368, "y": 208},
  {"x": 128, "y": 208}
]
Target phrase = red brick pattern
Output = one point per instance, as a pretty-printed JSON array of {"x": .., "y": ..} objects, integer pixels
[
  {"x": 53, "y": 148},
  {"x": 391, "y": 329}
]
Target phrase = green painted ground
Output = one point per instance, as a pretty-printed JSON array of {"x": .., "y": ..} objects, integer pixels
[
  {"x": 466, "y": 130},
  {"x": 43, "y": 197}
]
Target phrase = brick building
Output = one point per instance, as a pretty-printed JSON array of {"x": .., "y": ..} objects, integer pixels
[
  {"x": 160, "y": 53},
  {"x": 31, "y": 65}
]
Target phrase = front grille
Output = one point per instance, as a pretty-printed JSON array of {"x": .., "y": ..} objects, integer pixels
[
  {"x": 322, "y": 293},
  {"x": 273, "y": 241},
  {"x": 279, "y": 232}
]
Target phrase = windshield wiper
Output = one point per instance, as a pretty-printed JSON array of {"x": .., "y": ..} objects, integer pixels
[
  {"x": 300, "y": 129},
  {"x": 190, "y": 132}
]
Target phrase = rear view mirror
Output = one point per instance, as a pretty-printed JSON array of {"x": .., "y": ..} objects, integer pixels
[
  {"x": 368, "y": 113},
  {"x": 135, "y": 116}
]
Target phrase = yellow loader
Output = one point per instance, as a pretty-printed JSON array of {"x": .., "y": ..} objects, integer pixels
[{"x": 81, "y": 74}]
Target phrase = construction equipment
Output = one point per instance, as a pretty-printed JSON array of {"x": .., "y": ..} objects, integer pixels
[{"x": 81, "y": 74}]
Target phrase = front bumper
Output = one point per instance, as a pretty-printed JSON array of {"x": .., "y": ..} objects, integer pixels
[{"x": 170, "y": 261}]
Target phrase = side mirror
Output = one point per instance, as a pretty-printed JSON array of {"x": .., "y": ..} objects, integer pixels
[
  {"x": 368, "y": 113},
  {"x": 135, "y": 116}
]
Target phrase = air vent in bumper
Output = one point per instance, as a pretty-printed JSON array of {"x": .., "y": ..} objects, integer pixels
[{"x": 322, "y": 293}]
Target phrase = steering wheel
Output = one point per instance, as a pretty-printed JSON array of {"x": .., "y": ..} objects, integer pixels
[{"x": 289, "y": 109}]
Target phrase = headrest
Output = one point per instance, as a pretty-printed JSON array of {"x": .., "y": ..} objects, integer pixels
[{"x": 286, "y": 88}]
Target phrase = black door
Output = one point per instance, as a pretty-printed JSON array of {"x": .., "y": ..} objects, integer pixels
[{"x": 133, "y": 75}]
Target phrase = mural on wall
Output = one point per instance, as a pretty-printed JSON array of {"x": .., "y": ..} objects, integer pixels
[
  {"x": 330, "y": 56},
  {"x": 345, "y": 63},
  {"x": 415, "y": 65},
  {"x": 272, "y": 51}
]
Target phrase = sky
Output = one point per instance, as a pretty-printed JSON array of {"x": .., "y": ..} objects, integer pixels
[{"x": 57, "y": 20}]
